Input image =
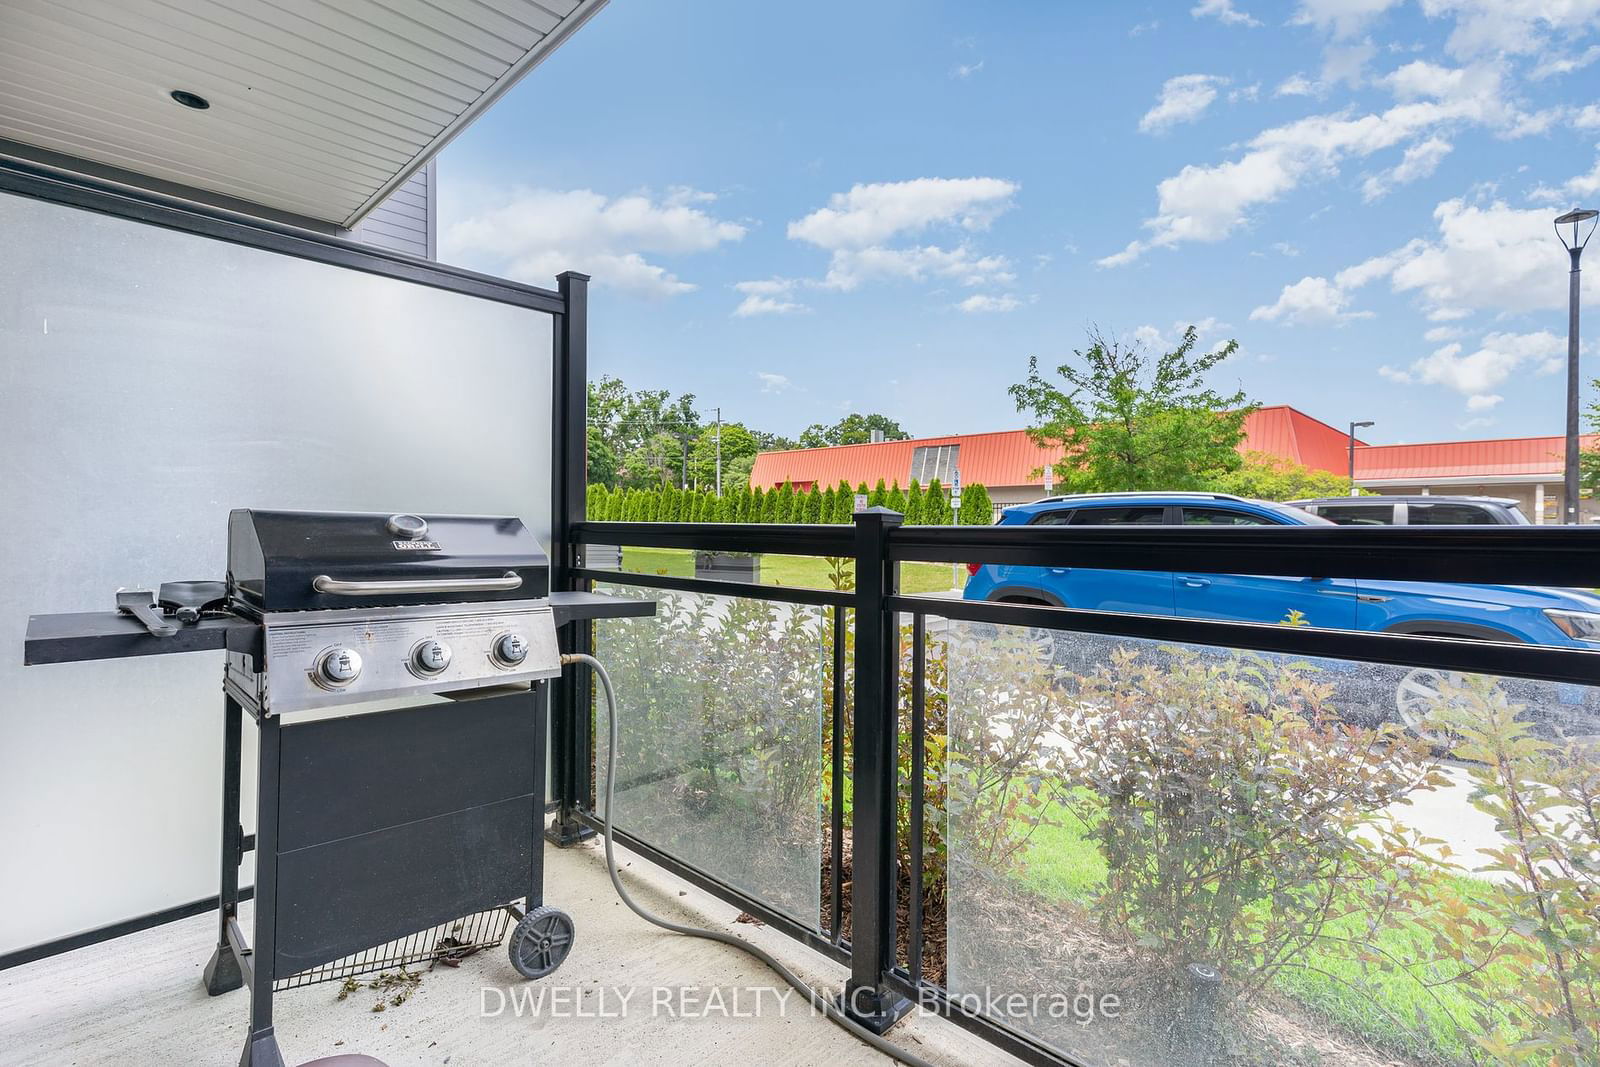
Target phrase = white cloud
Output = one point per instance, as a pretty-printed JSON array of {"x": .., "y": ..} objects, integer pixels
[
  {"x": 1295, "y": 85},
  {"x": 533, "y": 234},
  {"x": 768, "y": 297},
  {"x": 1209, "y": 202},
  {"x": 1574, "y": 189},
  {"x": 1208, "y": 334},
  {"x": 1477, "y": 373},
  {"x": 1420, "y": 161},
  {"x": 966, "y": 70},
  {"x": 1150, "y": 337},
  {"x": 774, "y": 383},
  {"x": 1341, "y": 18},
  {"x": 870, "y": 214},
  {"x": 1309, "y": 301},
  {"x": 980, "y": 302},
  {"x": 1223, "y": 11},
  {"x": 849, "y": 267},
  {"x": 1565, "y": 63},
  {"x": 1347, "y": 63},
  {"x": 1442, "y": 333},
  {"x": 1183, "y": 99},
  {"x": 858, "y": 226},
  {"x": 1485, "y": 257},
  {"x": 1588, "y": 118},
  {"x": 1516, "y": 27}
]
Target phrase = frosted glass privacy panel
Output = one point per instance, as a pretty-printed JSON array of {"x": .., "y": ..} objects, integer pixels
[
  {"x": 1190, "y": 854},
  {"x": 719, "y": 757},
  {"x": 149, "y": 382}
]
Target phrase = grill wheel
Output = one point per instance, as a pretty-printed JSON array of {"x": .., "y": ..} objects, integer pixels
[{"x": 540, "y": 942}]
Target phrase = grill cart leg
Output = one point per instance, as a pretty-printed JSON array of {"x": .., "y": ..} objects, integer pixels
[
  {"x": 261, "y": 1048},
  {"x": 223, "y": 973}
]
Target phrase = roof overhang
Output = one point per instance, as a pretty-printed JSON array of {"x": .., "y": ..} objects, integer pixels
[
  {"x": 318, "y": 109},
  {"x": 1460, "y": 479}
]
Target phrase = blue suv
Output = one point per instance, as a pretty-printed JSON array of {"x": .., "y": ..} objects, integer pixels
[{"x": 1483, "y": 612}]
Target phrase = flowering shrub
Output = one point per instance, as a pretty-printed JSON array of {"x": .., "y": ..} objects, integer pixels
[{"x": 1543, "y": 882}]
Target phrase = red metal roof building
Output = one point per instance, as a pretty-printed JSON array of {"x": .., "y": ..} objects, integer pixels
[
  {"x": 1527, "y": 469},
  {"x": 1009, "y": 459}
]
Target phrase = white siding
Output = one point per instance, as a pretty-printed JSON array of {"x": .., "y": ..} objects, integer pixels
[{"x": 406, "y": 221}]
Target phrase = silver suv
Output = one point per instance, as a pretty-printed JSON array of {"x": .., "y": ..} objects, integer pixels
[{"x": 1415, "y": 510}]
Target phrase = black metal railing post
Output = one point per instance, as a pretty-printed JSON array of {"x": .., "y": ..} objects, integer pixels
[
  {"x": 569, "y": 718},
  {"x": 868, "y": 998}
]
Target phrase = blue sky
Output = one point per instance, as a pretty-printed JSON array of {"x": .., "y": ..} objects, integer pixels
[{"x": 890, "y": 206}]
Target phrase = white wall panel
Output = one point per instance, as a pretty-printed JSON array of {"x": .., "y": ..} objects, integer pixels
[{"x": 150, "y": 381}]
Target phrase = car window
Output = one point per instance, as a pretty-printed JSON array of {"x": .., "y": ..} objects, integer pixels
[
  {"x": 1220, "y": 517},
  {"x": 1358, "y": 514},
  {"x": 1448, "y": 515},
  {"x": 1053, "y": 518},
  {"x": 1148, "y": 515}
]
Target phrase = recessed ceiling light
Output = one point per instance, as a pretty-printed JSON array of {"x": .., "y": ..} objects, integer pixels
[{"x": 188, "y": 99}]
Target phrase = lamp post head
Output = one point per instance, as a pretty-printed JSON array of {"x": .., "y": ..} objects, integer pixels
[{"x": 1576, "y": 219}]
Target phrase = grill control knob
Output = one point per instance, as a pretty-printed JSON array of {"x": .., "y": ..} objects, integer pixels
[
  {"x": 510, "y": 650},
  {"x": 430, "y": 657},
  {"x": 338, "y": 667}
]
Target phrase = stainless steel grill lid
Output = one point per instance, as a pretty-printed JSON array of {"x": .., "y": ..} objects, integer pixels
[{"x": 320, "y": 560}]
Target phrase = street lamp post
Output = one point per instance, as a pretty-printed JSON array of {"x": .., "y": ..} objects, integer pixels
[
  {"x": 1574, "y": 247},
  {"x": 1354, "y": 426},
  {"x": 719, "y": 452}
]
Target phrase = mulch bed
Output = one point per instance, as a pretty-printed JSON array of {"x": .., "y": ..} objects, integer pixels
[{"x": 933, "y": 913}]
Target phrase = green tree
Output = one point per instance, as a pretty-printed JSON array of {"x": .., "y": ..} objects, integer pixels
[
  {"x": 914, "y": 505},
  {"x": 1264, "y": 476},
  {"x": 813, "y": 506},
  {"x": 853, "y": 429},
  {"x": 739, "y": 448},
  {"x": 636, "y": 437},
  {"x": 879, "y": 496},
  {"x": 936, "y": 506},
  {"x": 976, "y": 508},
  {"x": 1130, "y": 421},
  {"x": 1589, "y": 458},
  {"x": 896, "y": 500},
  {"x": 602, "y": 460}
]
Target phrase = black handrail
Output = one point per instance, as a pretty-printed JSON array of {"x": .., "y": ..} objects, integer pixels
[
  {"x": 1507, "y": 555},
  {"x": 879, "y": 990}
]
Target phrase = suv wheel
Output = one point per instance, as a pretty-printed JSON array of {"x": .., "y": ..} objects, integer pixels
[{"x": 1419, "y": 700}]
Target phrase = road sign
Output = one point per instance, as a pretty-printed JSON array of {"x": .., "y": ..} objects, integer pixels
[{"x": 861, "y": 502}]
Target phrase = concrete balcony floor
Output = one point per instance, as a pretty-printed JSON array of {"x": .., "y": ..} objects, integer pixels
[{"x": 138, "y": 999}]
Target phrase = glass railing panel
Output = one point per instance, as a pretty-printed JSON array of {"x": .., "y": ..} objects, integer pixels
[
  {"x": 719, "y": 761},
  {"x": 1184, "y": 854}
]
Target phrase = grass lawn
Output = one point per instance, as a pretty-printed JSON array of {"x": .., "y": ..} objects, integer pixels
[
  {"x": 1394, "y": 1007},
  {"x": 803, "y": 572}
]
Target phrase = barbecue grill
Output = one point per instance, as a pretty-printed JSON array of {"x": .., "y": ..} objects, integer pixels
[{"x": 393, "y": 666}]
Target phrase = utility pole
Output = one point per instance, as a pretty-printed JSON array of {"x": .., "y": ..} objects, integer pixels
[
  {"x": 1574, "y": 247},
  {"x": 719, "y": 451},
  {"x": 955, "y": 518},
  {"x": 1354, "y": 426}
]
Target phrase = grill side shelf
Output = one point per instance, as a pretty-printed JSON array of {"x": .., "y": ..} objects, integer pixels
[
  {"x": 88, "y": 635},
  {"x": 75, "y": 637},
  {"x": 573, "y": 607}
]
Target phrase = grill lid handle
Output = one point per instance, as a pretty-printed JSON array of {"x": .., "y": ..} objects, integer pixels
[{"x": 322, "y": 583}]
